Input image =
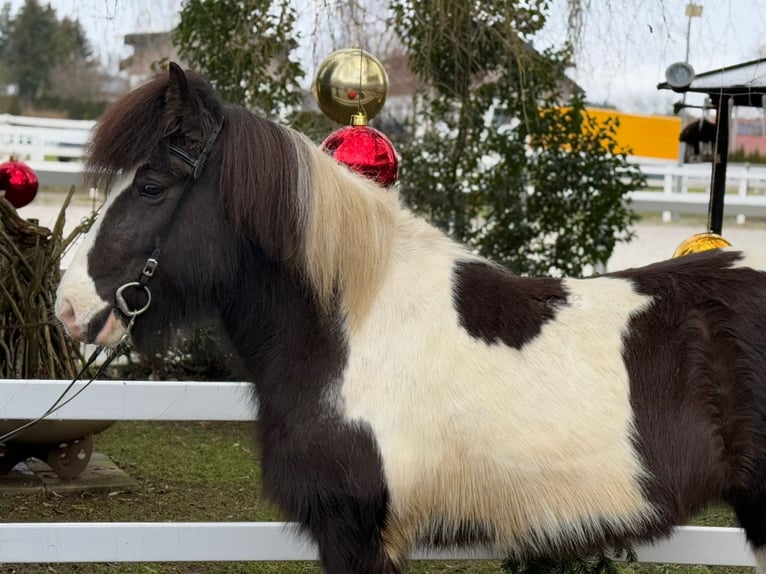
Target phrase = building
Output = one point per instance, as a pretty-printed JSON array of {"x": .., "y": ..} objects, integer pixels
[{"x": 149, "y": 50}]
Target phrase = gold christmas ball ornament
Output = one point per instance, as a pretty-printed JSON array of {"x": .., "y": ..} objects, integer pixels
[
  {"x": 700, "y": 242},
  {"x": 348, "y": 82}
]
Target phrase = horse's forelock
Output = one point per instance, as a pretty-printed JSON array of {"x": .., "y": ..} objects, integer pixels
[
  {"x": 127, "y": 132},
  {"x": 131, "y": 128}
]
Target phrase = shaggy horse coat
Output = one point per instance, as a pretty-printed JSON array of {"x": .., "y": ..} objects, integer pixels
[{"x": 411, "y": 392}]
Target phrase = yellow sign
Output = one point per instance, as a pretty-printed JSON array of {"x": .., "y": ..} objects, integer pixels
[{"x": 644, "y": 136}]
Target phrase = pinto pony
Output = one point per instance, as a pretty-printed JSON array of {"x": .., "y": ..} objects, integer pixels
[{"x": 412, "y": 393}]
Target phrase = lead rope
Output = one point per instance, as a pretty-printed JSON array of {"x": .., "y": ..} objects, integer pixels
[{"x": 58, "y": 404}]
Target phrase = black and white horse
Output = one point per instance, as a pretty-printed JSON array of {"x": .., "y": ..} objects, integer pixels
[{"x": 411, "y": 392}]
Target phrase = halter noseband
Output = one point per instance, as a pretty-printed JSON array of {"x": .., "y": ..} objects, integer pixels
[{"x": 197, "y": 164}]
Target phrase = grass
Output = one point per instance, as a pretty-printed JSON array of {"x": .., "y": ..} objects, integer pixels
[
  {"x": 210, "y": 472},
  {"x": 185, "y": 472}
]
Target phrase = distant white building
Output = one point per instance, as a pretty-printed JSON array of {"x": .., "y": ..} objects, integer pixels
[{"x": 148, "y": 49}]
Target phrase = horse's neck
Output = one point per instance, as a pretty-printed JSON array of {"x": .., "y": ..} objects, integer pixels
[
  {"x": 296, "y": 352},
  {"x": 349, "y": 233},
  {"x": 281, "y": 331},
  {"x": 360, "y": 246},
  {"x": 391, "y": 247},
  {"x": 284, "y": 340}
]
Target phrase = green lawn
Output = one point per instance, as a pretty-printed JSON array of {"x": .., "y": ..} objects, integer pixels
[
  {"x": 208, "y": 472},
  {"x": 185, "y": 472}
]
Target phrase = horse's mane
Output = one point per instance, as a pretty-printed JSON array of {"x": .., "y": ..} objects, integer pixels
[{"x": 333, "y": 226}]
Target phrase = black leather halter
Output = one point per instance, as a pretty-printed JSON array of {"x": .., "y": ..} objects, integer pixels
[{"x": 197, "y": 164}]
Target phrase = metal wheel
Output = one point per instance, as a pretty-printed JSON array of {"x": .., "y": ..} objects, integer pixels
[{"x": 70, "y": 458}]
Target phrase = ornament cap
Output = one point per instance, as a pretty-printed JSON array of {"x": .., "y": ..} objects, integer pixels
[
  {"x": 359, "y": 119},
  {"x": 700, "y": 242}
]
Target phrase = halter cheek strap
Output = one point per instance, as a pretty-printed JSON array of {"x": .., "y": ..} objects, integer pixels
[{"x": 197, "y": 164}]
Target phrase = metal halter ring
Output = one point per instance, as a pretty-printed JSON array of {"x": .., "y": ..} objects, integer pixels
[{"x": 122, "y": 305}]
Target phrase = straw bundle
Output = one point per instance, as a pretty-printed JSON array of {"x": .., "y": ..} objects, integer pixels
[{"x": 32, "y": 342}]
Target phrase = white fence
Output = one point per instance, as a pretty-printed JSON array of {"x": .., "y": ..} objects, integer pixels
[
  {"x": 686, "y": 189},
  {"x": 227, "y": 541},
  {"x": 54, "y": 149}
]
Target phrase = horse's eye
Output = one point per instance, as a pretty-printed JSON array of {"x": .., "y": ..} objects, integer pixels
[{"x": 152, "y": 191}]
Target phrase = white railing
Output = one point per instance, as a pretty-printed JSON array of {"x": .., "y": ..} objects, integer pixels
[
  {"x": 54, "y": 149},
  {"x": 686, "y": 189},
  {"x": 228, "y": 541}
]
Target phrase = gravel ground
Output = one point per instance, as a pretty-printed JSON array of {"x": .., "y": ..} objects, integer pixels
[
  {"x": 657, "y": 241},
  {"x": 654, "y": 241}
]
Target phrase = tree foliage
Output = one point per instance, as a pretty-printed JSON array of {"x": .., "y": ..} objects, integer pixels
[
  {"x": 506, "y": 158},
  {"x": 41, "y": 54},
  {"x": 244, "y": 47},
  {"x": 31, "y": 50}
]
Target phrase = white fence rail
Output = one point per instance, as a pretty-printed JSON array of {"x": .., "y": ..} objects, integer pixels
[
  {"x": 259, "y": 541},
  {"x": 54, "y": 149},
  {"x": 227, "y": 541},
  {"x": 686, "y": 189}
]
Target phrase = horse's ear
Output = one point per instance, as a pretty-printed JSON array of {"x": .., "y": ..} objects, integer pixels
[{"x": 182, "y": 105}]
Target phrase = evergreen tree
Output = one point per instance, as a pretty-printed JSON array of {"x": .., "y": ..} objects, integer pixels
[
  {"x": 36, "y": 46},
  {"x": 5, "y": 28},
  {"x": 76, "y": 76},
  {"x": 6, "y": 23},
  {"x": 71, "y": 42},
  {"x": 32, "y": 50}
]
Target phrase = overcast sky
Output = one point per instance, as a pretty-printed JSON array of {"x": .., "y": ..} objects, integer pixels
[
  {"x": 625, "y": 50},
  {"x": 626, "y": 44}
]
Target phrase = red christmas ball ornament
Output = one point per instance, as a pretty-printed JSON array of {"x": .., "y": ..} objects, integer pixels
[
  {"x": 19, "y": 183},
  {"x": 365, "y": 150}
]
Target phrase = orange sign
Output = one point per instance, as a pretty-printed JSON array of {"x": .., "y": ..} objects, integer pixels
[{"x": 644, "y": 136}]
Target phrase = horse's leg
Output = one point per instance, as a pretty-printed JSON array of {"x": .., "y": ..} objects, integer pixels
[
  {"x": 348, "y": 532},
  {"x": 751, "y": 514}
]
